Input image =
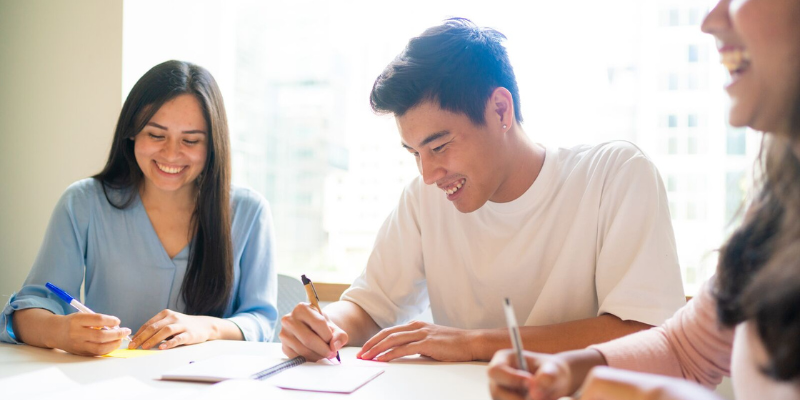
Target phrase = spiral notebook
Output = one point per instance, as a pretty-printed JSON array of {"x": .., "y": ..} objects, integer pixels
[{"x": 294, "y": 373}]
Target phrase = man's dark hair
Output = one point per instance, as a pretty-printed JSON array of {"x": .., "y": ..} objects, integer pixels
[{"x": 457, "y": 64}]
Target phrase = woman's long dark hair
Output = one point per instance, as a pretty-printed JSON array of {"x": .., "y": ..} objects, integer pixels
[
  {"x": 208, "y": 282},
  {"x": 758, "y": 276}
]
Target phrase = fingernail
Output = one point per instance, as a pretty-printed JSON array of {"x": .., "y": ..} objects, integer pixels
[
  {"x": 163, "y": 346},
  {"x": 337, "y": 344},
  {"x": 132, "y": 345}
]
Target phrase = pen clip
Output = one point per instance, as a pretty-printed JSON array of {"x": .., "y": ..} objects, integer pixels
[{"x": 313, "y": 289}]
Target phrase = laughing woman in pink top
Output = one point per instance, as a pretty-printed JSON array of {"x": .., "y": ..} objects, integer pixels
[{"x": 745, "y": 322}]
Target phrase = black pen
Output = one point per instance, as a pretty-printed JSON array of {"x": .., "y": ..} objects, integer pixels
[{"x": 314, "y": 299}]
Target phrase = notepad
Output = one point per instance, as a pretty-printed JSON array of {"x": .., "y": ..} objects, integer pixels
[
  {"x": 129, "y": 353},
  {"x": 287, "y": 374}
]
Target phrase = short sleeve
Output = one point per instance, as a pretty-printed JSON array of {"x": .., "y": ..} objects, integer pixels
[
  {"x": 638, "y": 275},
  {"x": 392, "y": 288},
  {"x": 255, "y": 312},
  {"x": 61, "y": 259}
]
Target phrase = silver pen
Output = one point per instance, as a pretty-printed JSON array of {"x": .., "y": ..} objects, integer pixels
[{"x": 513, "y": 330}]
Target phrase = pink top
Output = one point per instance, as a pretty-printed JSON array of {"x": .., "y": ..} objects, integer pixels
[{"x": 691, "y": 344}]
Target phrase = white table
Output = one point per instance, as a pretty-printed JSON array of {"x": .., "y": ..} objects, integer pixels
[{"x": 407, "y": 378}]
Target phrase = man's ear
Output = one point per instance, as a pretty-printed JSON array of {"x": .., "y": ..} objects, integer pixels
[{"x": 501, "y": 104}]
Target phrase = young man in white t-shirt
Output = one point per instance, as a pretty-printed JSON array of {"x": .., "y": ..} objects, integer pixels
[{"x": 579, "y": 239}]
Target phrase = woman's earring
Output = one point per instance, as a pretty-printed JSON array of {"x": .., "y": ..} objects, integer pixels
[{"x": 505, "y": 126}]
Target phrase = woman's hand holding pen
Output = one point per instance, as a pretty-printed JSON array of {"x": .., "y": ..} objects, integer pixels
[
  {"x": 175, "y": 329},
  {"x": 308, "y": 333},
  {"x": 84, "y": 336},
  {"x": 549, "y": 376},
  {"x": 76, "y": 333}
]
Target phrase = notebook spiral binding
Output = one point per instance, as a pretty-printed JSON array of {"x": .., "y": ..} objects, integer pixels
[{"x": 260, "y": 376}]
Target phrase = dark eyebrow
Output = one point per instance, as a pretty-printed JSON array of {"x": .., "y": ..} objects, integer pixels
[
  {"x": 433, "y": 137},
  {"x": 157, "y": 125},
  {"x": 165, "y": 128},
  {"x": 428, "y": 139}
]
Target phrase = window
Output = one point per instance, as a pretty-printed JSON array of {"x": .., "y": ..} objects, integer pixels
[
  {"x": 735, "y": 188},
  {"x": 296, "y": 78},
  {"x": 692, "y": 147},
  {"x": 692, "y": 123},
  {"x": 694, "y": 53},
  {"x": 673, "y": 82},
  {"x": 672, "y": 144},
  {"x": 692, "y": 82},
  {"x": 672, "y": 121},
  {"x": 735, "y": 141},
  {"x": 674, "y": 17},
  {"x": 672, "y": 183},
  {"x": 695, "y": 16}
]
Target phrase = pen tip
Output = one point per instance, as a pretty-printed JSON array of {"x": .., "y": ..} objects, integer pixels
[
  {"x": 337, "y": 358},
  {"x": 305, "y": 280}
]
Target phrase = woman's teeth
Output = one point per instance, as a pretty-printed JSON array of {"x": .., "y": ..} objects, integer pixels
[
  {"x": 169, "y": 170},
  {"x": 455, "y": 188},
  {"x": 735, "y": 60}
]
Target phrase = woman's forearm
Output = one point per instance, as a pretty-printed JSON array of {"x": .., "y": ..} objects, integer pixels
[{"x": 37, "y": 327}]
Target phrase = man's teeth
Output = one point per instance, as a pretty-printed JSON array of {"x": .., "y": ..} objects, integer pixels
[
  {"x": 456, "y": 187},
  {"x": 169, "y": 170},
  {"x": 735, "y": 60}
]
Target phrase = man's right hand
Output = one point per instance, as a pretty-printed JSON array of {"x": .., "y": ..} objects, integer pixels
[{"x": 305, "y": 332}]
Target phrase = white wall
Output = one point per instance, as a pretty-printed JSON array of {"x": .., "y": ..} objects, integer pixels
[{"x": 60, "y": 91}]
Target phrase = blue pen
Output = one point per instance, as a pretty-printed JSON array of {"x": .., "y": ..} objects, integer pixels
[{"x": 71, "y": 301}]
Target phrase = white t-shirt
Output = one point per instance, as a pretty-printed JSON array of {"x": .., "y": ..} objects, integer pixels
[{"x": 592, "y": 235}]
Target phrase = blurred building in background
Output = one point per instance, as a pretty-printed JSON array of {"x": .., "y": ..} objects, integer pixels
[{"x": 296, "y": 79}]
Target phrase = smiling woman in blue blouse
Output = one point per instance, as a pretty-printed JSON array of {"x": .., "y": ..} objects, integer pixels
[{"x": 160, "y": 239}]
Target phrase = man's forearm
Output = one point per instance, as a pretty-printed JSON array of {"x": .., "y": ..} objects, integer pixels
[
  {"x": 557, "y": 338},
  {"x": 352, "y": 319}
]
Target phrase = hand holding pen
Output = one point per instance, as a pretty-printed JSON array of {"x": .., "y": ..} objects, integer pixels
[
  {"x": 86, "y": 332},
  {"x": 523, "y": 375},
  {"x": 76, "y": 304},
  {"x": 307, "y": 332},
  {"x": 314, "y": 299}
]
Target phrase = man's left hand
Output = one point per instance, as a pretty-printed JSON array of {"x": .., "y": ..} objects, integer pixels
[{"x": 438, "y": 342}]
